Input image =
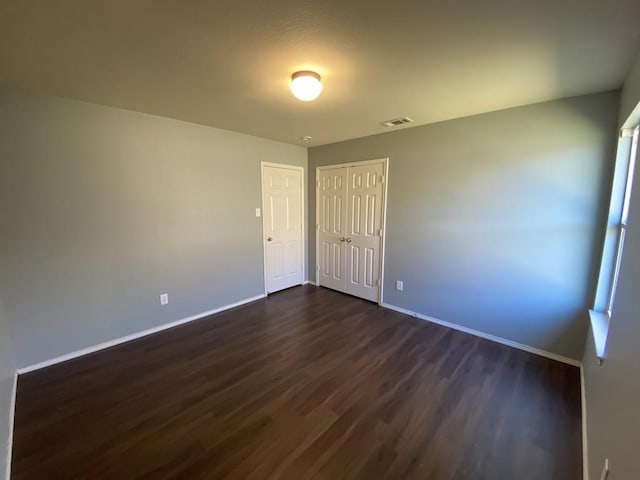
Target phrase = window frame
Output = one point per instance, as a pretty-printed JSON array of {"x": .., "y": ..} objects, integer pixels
[
  {"x": 613, "y": 248},
  {"x": 624, "y": 219}
]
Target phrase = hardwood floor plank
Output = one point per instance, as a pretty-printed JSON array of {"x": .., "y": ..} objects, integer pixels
[{"x": 305, "y": 384}]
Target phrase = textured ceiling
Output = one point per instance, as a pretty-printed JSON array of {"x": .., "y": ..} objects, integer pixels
[{"x": 227, "y": 63}]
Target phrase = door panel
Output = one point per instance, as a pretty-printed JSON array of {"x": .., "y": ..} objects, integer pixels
[
  {"x": 282, "y": 200},
  {"x": 332, "y": 195},
  {"x": 364, "y": 218}
]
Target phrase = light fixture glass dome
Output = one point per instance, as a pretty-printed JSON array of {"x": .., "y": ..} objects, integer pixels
[{"x": 305, "y": 85}]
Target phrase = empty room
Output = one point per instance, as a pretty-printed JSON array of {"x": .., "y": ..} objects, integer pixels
[{"x": 319, "y": 240}]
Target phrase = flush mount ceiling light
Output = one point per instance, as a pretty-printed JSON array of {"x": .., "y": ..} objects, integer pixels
[{"x": 305, "y": 85}]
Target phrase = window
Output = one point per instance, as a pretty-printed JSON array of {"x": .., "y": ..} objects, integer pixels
[
  {"x": 624, "y": 216},
  {"x": 614, "y": 238}
]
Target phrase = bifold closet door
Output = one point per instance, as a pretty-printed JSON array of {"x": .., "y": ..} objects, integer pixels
[
  {"x": 350, "y": 209},
  {"x": 332, "y": 224},
  {"x": 364, "y": 230}
]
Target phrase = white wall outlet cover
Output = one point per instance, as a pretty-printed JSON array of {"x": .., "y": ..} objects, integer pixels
[
  {"x": 399, "y": 285},
  {"x": 257, "y": 212},
  {"x": 164, "y": 298}
]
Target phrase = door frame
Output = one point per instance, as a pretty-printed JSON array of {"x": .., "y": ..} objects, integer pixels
[
  {"x": 385, "y": 162},
  {"x": 303, "y": 240}
]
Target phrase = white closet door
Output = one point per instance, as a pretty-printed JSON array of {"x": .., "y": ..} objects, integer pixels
[
  {"x": 282, "y": 201},
  {"x": 332, "y": 223},
  {"x": 364, "y": 230},
  {"x": 350, "y": 217}
]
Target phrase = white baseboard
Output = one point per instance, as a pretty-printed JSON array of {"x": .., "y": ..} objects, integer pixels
[
  {"x": 585, "y": 443},
  {"x": 486, "y": 336},
  {"x": 133, "y": 336},
  {"x": 12, "y": 415}
]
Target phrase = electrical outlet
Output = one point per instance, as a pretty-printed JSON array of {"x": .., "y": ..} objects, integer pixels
[
  {"x": 605, "y": 470},
  {"x": 164, "y": 298},
  {"x": 257, "y": 212},
  {"x": 399, "y": 285}
]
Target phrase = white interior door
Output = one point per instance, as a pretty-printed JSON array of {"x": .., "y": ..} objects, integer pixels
[
  {"x": 282, "y": 225},
  {"x": 350, "y": 223},
  {"x": 364, "y": 230},
  {"x": 332, "y": 198}
]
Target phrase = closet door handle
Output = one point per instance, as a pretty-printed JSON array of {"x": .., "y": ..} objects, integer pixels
[
  {"x": 342, "y": 239},
  {"x": 349, "y": 240}
]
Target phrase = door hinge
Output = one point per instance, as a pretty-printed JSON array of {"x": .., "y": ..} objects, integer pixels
[
  {"x": 317, "y": 267},
  {"x": 317, "y": 183},
  {"x": 317, "y": 226},
  {"x": 381, "y": 179},
  {"x": 377, "y": 283}
]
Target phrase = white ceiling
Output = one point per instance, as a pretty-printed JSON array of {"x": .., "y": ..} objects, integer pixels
[{"x": 227, "y": 63}]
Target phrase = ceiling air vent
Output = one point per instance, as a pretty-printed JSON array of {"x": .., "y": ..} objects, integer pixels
[{"x": 396, "y": 121}]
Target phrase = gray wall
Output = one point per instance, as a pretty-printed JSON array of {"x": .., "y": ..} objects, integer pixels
[
  {"x": 7, "y": 372},
  {"x": 494, "y": 221},
  {"x": 104, "y": 209},
  {"x": 613, "y": 389},
  {"x": 631, "y": 91}
]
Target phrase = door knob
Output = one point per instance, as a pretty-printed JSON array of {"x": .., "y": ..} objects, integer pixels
[
  {"x": 269, "y": 239},
  {"x": 342, "y": 239},
  {"x": 349, "y": 239}
]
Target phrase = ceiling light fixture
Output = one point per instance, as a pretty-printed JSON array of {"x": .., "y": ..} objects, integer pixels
[{"x": 306, "y": 85}]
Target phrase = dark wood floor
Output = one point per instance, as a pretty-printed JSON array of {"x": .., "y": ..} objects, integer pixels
[{"x": 308, "y": 383}]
